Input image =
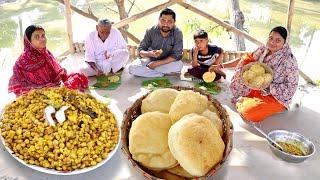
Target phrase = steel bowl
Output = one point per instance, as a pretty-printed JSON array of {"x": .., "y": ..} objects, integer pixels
[{"x": 285, "y": 136}]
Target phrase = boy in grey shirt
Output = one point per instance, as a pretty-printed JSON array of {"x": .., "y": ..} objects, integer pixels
[{"x": 161, "y": 49}]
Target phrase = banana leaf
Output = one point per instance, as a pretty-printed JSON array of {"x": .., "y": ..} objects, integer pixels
[
  {"x": 161, "y": 82},
  {"x": 212, "y": 87},
  {"x": 107, "y": 82}
]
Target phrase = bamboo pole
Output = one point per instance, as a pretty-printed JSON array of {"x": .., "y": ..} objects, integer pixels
[
  {"x": 79, "y": 11},
  {"x": 220, "y": 22},
  {"x": 69, "y": 25},
  {"x": 131, "y": 36},
  {"x": 289, "y": 22},
  {"x": 290, "y": 15},
  {"x": 144, "y": 13}
]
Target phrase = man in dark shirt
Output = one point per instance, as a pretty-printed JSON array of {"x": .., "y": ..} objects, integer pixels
[
  {"x": 204, "y": 55},
  {"x": 161, "y": 48}
]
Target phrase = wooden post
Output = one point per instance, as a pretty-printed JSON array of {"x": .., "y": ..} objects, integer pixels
[
  {"x": 144, "y": 13},
  {"x": 290, "y": 15},
  {"x": 69, "y": 25},
  {"x": 218, "y": 21}
]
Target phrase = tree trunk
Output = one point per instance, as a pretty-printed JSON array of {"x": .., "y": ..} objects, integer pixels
[
  {"x": 237, "y": 20},
  {"x": 123, "y": 14}
]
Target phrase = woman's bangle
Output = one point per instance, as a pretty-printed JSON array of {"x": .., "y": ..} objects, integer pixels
[{"x": 221, "y": 65}]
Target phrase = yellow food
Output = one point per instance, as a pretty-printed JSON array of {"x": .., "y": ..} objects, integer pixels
[
  {"x": 291, "y": 148},
  {"x": 159, "y": 100},
  {"x": 247, "y": 103},
  {"x": 187, "y": 102},
  {"x": 257, "y": 69},
  {"x": 248, "y": 75},
  {"x": 256, "y": 76},
  {"x": 258, "y": 81},
  {"x": 160, "y": 51},
  {"x": 214, "y": 118},
  {"x": 85, "y": 138},
  {"x": 178, "y": 170},
  {"x": 196, "y": 144},
  {"x": 148, "y": 141},
  {"x": 114, "y": 78},
  {"x": 209, "y": 76}
]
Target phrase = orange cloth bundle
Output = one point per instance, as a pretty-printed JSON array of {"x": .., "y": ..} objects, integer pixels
[{"x": 261, "y": 111}]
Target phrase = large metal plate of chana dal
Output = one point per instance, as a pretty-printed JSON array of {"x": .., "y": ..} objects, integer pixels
[{"x": 60, "y": 131}]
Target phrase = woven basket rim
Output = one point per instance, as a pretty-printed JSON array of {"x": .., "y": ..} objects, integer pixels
[
  {"x": 247, "y": 66},
  {"x": 227, "y": 127}
]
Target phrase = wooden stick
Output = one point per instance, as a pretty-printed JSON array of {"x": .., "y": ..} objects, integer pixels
[
  {"x": 144, "y": 13},
  {"x": 131, "y": 36},
  {"x": 290, "y": 14},
  {"x": 69, "y": 25},
  {"x": 79, "y": 11},
  {"x": 220, "y": 22}
]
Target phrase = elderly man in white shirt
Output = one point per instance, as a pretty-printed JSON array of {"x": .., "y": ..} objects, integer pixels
[{"x": 106, "y": 50}]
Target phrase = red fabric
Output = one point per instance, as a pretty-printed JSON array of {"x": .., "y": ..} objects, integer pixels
[
  {"x": 35, "y": 69},
  {"x": 248, "y": 58},
  {"x": 76, "y": 81},
  {"x": 268, "y": 107}
]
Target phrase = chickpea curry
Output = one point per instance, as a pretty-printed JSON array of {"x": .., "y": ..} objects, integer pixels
[{"x": 85, "y": 138}]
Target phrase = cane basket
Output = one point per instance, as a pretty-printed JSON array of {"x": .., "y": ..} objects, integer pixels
[{"x": 135, "y": 110}]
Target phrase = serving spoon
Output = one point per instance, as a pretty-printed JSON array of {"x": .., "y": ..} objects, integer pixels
[{"x": 274, "y": 143}]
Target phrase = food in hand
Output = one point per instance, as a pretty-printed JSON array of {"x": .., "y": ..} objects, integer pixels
[
  {"x": 209, "y": 77},
  {"x": 158, "y": 52}
]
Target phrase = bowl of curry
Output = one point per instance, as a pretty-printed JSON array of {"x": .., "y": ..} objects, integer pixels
[{"x": 296, "y": 147}]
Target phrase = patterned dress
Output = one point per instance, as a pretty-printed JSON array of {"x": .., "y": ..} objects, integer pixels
[{"x": 285, "y": 80}]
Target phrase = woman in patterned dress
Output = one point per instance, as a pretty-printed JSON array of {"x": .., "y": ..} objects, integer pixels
[{"x": 277, "y": 97}]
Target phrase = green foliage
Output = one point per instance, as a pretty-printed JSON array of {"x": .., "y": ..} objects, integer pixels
[
  {"x": 7, "y": 33},
  {"x": 194, "y": 24}
]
